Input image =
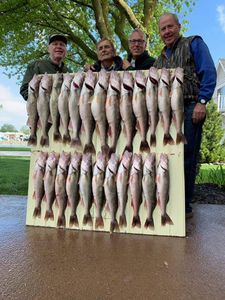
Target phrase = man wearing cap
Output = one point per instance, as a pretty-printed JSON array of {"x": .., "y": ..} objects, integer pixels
[{"x": 57, "y": 52}]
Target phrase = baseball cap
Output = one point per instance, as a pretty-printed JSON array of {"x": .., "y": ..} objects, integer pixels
[{"x": 57, "y": 37}]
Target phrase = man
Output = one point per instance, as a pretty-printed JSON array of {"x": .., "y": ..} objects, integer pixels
[
  {"x": 192, "y": 54},
  {"x": 57, "y": 52},
  {"x": 107, "y": 58},
  {"x": 138, "y": 59}
]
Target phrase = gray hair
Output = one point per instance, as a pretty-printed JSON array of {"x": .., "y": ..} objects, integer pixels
[
  {"x": 174, "y": 16},
  {"x": 140, "y": 32}
]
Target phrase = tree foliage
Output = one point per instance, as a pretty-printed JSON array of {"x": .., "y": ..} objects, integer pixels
[
  {"x": 211, "y": 148},
  {"x": 26, "y": 25},
  {"x": 25, "y": 129},
  {"x": 8, "y": 128}
]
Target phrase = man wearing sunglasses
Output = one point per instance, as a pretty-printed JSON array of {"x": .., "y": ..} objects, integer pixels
[{"x": 139, "y": 58}]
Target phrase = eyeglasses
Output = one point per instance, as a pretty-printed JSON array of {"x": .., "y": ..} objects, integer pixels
[{"x": 139, "y": 42}]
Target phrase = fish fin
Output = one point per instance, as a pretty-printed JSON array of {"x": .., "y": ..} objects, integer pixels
[
  {"x": 89, "y": 148},
  {"x": 75, "y": 142},
  {"x": 44, "y": 141},
  {"x": 153, "y": 140},
  {"x": 180, "y": 138},
  {"x": 61, "y": 221},
  {"x": 66, "y": 138},
  {"x": 105, "y": 149},
  {"x": 136, "y": 222},
  {"x": 32, "y": 140},
  {"x": 166, "y": 220},
  {"x": 87, "y": 219},
  {"x": 167, "y": 139},
  {"x": 99, "y": 223},
  {"x": 74, "y": 220},
  {"x": 144, "y": 147},
  {"x": 114, "y": 226},
  {"x": 37, "y": 212},
  {"x": 128, "y": 148},
  {"x": 149, "y": 223},
  {"x": 49, "y": 215},
  {"x": 123, "y": 221},
  {"x": 57, "y": 136}
]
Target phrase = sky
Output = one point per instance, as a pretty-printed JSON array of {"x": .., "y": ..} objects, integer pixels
[{"x": 207, "y": 20}]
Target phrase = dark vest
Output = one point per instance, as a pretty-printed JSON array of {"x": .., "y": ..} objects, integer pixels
[{"x": 181, "y": 57}]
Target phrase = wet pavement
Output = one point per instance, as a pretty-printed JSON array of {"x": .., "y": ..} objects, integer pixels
[{"x": 42, "y": 263}]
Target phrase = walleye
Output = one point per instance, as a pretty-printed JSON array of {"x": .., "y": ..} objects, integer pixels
[
  {"x": 75, "y": 121},
  {"x": 136, "y": 188},
  {"x": 43, "y": 107},
  {"x": 164, "y": 106},
  {"x": 39, "y": 171},
  {"x": 177, "y": 104},
  {"x": 110, "y": 190},
  {"x": 85, "y": 187},
  {"x": 152, "y": 102},
  {"x": 54, "y": 112},
  {"x": 32, "y": 108},
  {"x": 140, "y": 109},
  {"x": 72, "y": 189},
  {"x": 85, "y": 110},
  {"x": 122, "y": 185},
  {"x": 60, "y": 187},
  {"x": 97, "y": 187},
  {"x": 163, "y": 182},
  {"x": 126, "y": 109},
  {"x": 149, "y": 187},
  {"x": 113, "y": 108},
  {"x": 98, "y": 107},
  {"x": 49, "y": 183},
  {"x": 63, "y": 106}
]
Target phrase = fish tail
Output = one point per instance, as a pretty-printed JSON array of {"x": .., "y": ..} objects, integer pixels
[
  {"x": 89, "y": 148},
  {"x": 128, "y": 148},
  {"x": 180, "y": 138},
  {"x": 49, "y": 215},
  {"x": 32, "y": 140},
  {"x": 144, "y": 147},
  {"x": 167, "y": 139},
  {"x": 87, "y": 219},
  {"x": 114, "y": 226},
  {"x": 61, "y": 221},
  {"x": 74, "y": 220},
  {"x": 75, "y": 142},
  {"x": 165, "y": 219},
  {"x": 136, "y": 221},
  {"x": 99, "y": 223},
  {"x": 37, "y": 212},
  {"x": 123, "y": 221},
  {"x": 44, "y": 141},
  {"x": 153, "y": 140},
  {"x": 105, "y": 149},
  {"x": 149, "y": 223},
  {"x": 66, "y": 138},
  {"x": 57, "y": 136}
]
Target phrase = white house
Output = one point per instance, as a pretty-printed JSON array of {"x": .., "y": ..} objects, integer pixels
[{"x": 219, "y": 94}]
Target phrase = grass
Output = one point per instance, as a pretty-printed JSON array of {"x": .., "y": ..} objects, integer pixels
[
  {"x": 14, "y": 149},
  {"x": 14, "y": 173},
  {"x": 210, "y": 173}
]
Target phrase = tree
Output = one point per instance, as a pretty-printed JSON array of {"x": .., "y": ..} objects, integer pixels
[
  {"x": 26, "y": 24},
  {"x": 211, "y": 148},
  {"x": 8, "y": 128},
  {"x": 25, "y": 129}
]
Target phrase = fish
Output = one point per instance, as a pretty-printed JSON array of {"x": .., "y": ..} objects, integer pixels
[
  {"x": 72, "y": 187},
  {"x": 85, "y": 100},
  {"x": 60, "y": 187},
  {"x": 165, "y": 106},
  {"x": 63, "y": 106},
  {"x": 122, "y": 186},
  {"x": 113, "y": 109},
  {"x": 111, "y": 191},
  {"x": 177, "y": 104},
  {"x": 43, "y": 107},
  {"x": 32, "y": 108},
  {"x": 75, "y": 120},
  {"x": 126, "y": 109},
  {"x": 149, "y": 187},
  {"x": 135, "y": 185},
  {"x": 140, "y": 109},
  {"x": 38, "y": 175},
  {"x": 163, "y": 184},
  {"x": 49, "y": 183},
  {"x": 152, "y": 103},
  {"x": 54, "y": 112},
  {"x": 97, "y": 187},
  {"x": 85, "y": 185},
  {"x": 98, "y": 108}
]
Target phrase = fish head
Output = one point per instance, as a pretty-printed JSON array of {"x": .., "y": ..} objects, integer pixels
[
  {"x": 86, "y": 162},
  {"x": 179, "y": 74},
  {"x": 52, "y": 160},
  {"x": 34, "y": 83},
  {"x": 76, "y": 160},
  {"x": 57, "y": 80},
  {"x": 64, "y": 160},
  {"x": 153, "y": 75},
  {"x": 103, "y": 79},
  {"x": 128, "y": 81},
  {"x": 165, "y": 77},
  {"x": 137, "y": 161},
  {"x": 46, "y": 82},
  {"x": 115, "y": 81},
  {"x": 126, "y": 159},
  {"x": 78, "y": 80},
  {"x": 113, "y": 163},
  {"x": 150, "y": 161},
  {"x": 140, "y": 79},
  {"x": 101, "y": 161},
  {"x": 42, "y": 158},
  {"x": 163, "y": 161},
  {"x": 90, "y": 80},
  {"x": 67, "y": 78}
]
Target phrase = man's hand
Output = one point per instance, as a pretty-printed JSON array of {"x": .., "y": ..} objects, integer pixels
[
  {"x": 199, "y": 113},
  {"x": 126, "y": 64}
]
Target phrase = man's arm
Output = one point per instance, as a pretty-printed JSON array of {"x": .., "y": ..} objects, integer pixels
[{"x": 26, "y": 79}]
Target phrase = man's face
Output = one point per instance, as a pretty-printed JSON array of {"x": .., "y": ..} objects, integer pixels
[
  {"x": 57, "y": 51},
  {"x": 137, "y": 44},
  {"x": 169, "y": 30},
  {"x": 105, "y": 51}
]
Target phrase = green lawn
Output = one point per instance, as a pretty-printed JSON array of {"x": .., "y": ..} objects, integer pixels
[{"x": 210, "y": 173}]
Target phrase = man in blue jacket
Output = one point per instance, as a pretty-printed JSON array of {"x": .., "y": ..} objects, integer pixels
[{"x": 191, "y": 54}]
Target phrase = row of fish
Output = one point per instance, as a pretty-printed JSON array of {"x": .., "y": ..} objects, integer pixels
[
  {"x": 104, "y": 103},
  {"x": 71, "y": 178}
]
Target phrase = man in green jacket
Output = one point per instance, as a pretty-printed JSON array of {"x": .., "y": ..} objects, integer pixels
[
  {"x": 57, "y": 52},
  {"x": 139, "y": 58}
]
